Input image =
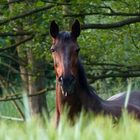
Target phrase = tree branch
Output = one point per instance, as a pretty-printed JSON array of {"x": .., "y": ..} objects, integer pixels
[
  {"x": 25, "y": 14},
  {"x": 101, "y": 13},
  {"x": 11, "y": 2},
  {"x": 116, "y": 75},
  {"x": 111, "y": 65},
  {"x": 103, "y": 64},
  {"x": 9, "y": 67},
  {"x": 15, "y": 34},
  {"x": 15, "y": 59},
  {"x": 16, "y": 44},
  {"x": 111, "y": 25},
  {"x": 20, "y": 96},
  {"x": 15, "y": 1},
  {"x": 11, "y": 118}
]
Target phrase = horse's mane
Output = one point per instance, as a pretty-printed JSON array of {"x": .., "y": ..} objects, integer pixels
[
  {"x": 89, "y": 91},
  {"x": 83, "y": 80}
]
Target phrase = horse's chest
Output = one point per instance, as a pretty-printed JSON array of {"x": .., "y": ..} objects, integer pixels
[{"x": 73, "y": 104}]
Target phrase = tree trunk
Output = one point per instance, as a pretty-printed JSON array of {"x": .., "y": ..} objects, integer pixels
[
  {"x": 32, "y": 75},
  {"x": 36, "y": 80}
]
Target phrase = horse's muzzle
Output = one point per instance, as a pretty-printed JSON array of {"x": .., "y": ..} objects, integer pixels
[{"x": 67, "y": 84}]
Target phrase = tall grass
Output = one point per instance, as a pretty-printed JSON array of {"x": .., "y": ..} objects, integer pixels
[{"x": 85, "y": 128}]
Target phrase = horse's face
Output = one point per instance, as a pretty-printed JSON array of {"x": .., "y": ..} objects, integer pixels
[{"x": 65, "y": 55}]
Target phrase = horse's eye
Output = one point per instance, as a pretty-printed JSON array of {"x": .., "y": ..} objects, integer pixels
[
  {"x": 52, "y": 50},
  {"x": 77, "y": 50}
]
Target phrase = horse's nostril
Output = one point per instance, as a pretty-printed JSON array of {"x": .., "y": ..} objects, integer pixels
[
  {"x": 66, "y": 81},
  {"x": 60, "y": 79}
]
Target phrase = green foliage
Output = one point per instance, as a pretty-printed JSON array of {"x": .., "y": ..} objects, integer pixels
[{"x": 8, "y": 109}]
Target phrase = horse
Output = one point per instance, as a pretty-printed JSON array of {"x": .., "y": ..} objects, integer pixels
[{"x": 72, "y": 88}]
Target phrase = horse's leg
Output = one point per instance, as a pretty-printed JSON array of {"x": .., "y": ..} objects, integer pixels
[
  {"x": 58, "y": 104},
  {"x": 57, "y": 118}
]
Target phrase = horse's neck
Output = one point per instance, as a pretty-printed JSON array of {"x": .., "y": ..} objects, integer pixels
[
  {"x": 87, "y": 95},
  {"x": 81, "y": 98},
  {"x": 72, "y": 102},
  {"x": 89, "y": 100}
]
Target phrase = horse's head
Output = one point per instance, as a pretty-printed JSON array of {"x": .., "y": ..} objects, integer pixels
[{"x": 65, "y": 55}]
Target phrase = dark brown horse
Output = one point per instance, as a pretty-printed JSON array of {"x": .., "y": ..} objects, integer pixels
[{"x": 71, "y": 83}]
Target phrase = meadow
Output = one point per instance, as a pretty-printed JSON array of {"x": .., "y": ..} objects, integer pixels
[{"x": 85, "y": 128}]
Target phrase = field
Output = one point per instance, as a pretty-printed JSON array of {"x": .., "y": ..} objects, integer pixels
[{"x": 85, "y": 128}]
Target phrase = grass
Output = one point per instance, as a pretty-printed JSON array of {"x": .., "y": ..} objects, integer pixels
[{"x": 85, "y": 128}]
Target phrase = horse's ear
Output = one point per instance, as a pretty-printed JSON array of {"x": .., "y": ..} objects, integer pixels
[
  {"x": 75, "y": 30},
  {"x": 54, "y": 29}
]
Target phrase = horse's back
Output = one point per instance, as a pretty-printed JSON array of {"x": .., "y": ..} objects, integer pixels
[
  {"x": 115, "y": 104},
  {"x": 134, "y": 98}
]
